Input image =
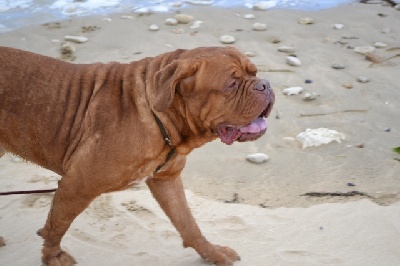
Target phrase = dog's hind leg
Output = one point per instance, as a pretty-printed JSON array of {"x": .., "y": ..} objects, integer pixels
[{"x": 71, "y": 198}]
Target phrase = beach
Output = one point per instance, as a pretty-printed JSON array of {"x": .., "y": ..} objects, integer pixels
[{"x": 333, "y": 204}]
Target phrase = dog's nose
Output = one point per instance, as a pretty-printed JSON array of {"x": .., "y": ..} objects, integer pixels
[{"x": 263, "y": 85}]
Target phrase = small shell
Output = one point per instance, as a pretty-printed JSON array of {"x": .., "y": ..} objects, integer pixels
[
  {"x": 293, "y": 91},
  {"x": 249, "y": 16},
  {"x": 154, "y": 27},
  {"x": 363, "y": 79}
]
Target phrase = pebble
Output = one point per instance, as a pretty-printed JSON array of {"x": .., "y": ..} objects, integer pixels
[
  {"x": 292, "y": 91},
  {"x": 350, "y": 184},
  {"x": 338, "y": 66},
  {"x": 387, "y": 129},
  {"x": 308, "y": 81},
  {"x": 154, "y": 27},
  {"x": 76, "y": 39},
  {"x": 183, "y": 18},
  {"x": 338, "y": 26},
  {"x": 126, "y": 17},
  {"x": 257, "y": 158},
  {"x": 196, "y": 24},
  {"x": 250, "y": 54},
  {"x": 249, "y": 16},
  {"x": 306, "y": 21},
  {"x": 363, "y": 79},
  {"x": 386, "y": 30},
  {"x": 107, "y": 19},
  {"x": 227, "y": 39},
  {"x": 286, "y": 49},
  {"x": 347, "y": 85},
  {"x": 380, "y": 45},
  {"x": 364, "y": 49},
  {"x": 259, "y": 27},
  {"x": 293, "y": 61},
  {"x": 171, "y": 21},
  {"x": 309, "y": 96},
  {"x": 263, "y": 5}
]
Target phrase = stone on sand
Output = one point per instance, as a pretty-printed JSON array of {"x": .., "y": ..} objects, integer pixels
[
  {"x": 76, "y": 39},
  {"x": 183, "y": 18},
  {"x": 259, "y": 26},
  {"x": 286, "y": 49},
  {"x": 154, "y": 27},
  {"x": 227, "y": 39},
  {"x": 293, "y": 61},
  {"x": 257, "y": 158},
  {"x": 292, "y": 91},
  {"x": 171, "y": 21}
]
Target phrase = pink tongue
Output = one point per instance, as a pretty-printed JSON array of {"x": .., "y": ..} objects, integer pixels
[{"x": 256, "y": 126}]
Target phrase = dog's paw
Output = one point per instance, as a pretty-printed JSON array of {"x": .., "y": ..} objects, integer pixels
[
  {"x": 219, "y": 255},
  {"x": 62, "y": 259}
]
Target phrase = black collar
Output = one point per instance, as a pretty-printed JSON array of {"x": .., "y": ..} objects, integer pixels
[{"x": 167, "y": 141}]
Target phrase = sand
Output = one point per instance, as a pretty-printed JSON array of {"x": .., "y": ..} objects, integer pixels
[{"x": 258, "y": 209}]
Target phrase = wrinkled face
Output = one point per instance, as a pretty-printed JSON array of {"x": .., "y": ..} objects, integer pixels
[{"x": 230, "y": 99}]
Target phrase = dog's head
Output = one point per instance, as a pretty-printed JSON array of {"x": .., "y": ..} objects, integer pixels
[{"x": 217, "y": 90}]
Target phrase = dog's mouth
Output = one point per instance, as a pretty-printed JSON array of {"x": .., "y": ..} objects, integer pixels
[{"x": 252, "y": 131}]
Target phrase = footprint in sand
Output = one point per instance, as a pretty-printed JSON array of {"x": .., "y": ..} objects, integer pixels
[
  {"x": 37, "y": 201},
  {"x": 45, "y": 179},
  {"x": 138, "y": 210},
  {"x": 303, "y": 257}
]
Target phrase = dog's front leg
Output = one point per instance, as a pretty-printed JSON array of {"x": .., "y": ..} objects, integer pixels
[{"x": 170, "y": 195}]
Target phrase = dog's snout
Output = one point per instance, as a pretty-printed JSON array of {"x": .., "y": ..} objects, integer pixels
[{"x": 263, "y": 85}]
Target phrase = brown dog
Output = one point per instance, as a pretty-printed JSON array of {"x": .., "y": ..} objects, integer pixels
[{"x": 101, "y": 127}]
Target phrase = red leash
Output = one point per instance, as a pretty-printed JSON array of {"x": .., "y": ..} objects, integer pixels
[{"x": 27, "y": 192}]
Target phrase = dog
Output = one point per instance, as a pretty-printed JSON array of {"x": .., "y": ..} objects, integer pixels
[{"x": 106, "y": 127}]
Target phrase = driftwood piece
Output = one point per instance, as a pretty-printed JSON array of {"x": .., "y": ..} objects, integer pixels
[{"x": 337, "y": 194}]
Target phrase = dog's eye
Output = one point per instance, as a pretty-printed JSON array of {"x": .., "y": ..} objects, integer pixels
[{"x": 233, "y": 84}]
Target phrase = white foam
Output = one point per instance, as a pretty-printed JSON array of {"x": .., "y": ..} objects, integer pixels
[
  {"x": 6, "y": 5},
  {"x": 69, "y": 7},
  {"x": 159, "y": 8}
]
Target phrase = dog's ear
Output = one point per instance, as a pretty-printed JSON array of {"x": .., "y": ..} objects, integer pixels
[{"x": 167, "y": 79}]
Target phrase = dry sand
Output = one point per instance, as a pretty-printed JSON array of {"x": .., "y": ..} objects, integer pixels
[{"x": 258, "y": 210}]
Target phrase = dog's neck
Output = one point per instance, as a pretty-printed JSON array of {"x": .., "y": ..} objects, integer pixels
[{"x": 183, "y": 132}]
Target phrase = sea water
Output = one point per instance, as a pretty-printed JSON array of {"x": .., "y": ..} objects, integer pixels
[{"x": 18, "y": 13}]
